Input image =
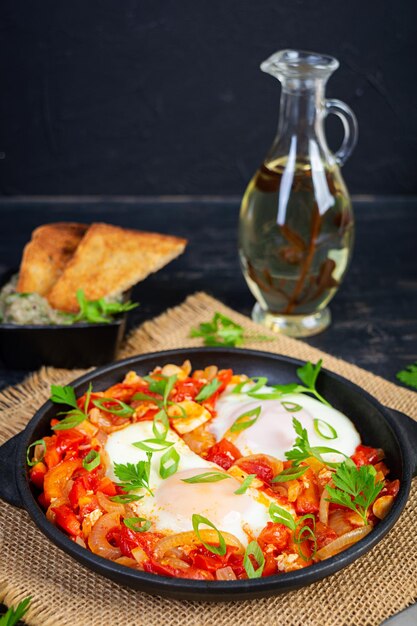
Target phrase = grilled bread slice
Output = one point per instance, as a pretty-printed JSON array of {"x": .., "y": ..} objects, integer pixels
[
  {"x": 110, "y": 260},
  {"x": 46, "y": 255}
]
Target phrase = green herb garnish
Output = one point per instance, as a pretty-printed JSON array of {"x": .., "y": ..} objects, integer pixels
[
  {"x": 206, "y": 477},
  {"x": 138, "y": 524},
  {"x": 302, "y": 449},
  {"x": 258, "y": 383},
  {"x": 291, "y": 407},
  {"x": 408, "y": 375},
  {"x": 222, "y": 331},
  {"x": 91, "y": 460},
  {"x": 253, "y": 550},
  {"x": 160, "y": 425},
  {"x": 324, "y": 429},
  {"x": 355, "y": 487},
  {"x": 121, "y": 409},
  {"x": 169, "y": 463},
  {"x": 153, "y": 445},
  {"x": 279, "y": 515},
  {"x": 245, "y": 485},
  {"x": 199, "y": 519},
  {"x": 307, "y": 374},
  {"x": 290, "y": 473},
  {"x": 133, "y": 476},
  {"x": 208, "y": 390},
  {"x": 38, "y": 442},
  {"x": 12, "y": 616},
  {"x": 243, "y": 422},
  {"x": 125, "y": 498},
  {"x": 66, "y": 395},
  {"x": 98, "y": 311}
]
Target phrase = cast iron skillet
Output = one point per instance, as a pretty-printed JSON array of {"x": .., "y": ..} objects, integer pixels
[{"x": 378, "y": 426}]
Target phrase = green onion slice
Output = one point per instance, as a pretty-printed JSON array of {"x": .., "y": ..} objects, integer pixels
[
  {"x": 169, "y": 463},
  {"x": 161, "y": 431},
  {"x": 258, "y": 382},
  {"x": 91, "y": 461},
  {"x": 245, "y": 485},
  {"x": 289, "y": 474},
  {"x": 138, "y": 524},
  {"x": 153, "y": 445},
  {"x": 324, "y": 429},
  {"x": 38, "y": 442},
  {"x": 125, "y": 498},
  {"x": 199, "y": 519},
  {"x": 117, "y": 407},
  {"x": 280, "y": 515},
  {"x": 74, "y": 418},
  {"x": 242, "y": 422},
  {"x": 208, "y": 390},
  {"x": 301, "y": 532},
  {"x": 253, "y": 550},
  {"x": 171, "y": 380},
  {"x": 291, "y": 407},
  {"x": 206, "y": 477}
]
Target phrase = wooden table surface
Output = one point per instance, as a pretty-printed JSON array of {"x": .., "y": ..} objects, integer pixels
[{"x": 374, "y": 313}]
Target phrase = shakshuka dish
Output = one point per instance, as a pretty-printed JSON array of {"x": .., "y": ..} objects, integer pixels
[{"x": 209, "y": 474}]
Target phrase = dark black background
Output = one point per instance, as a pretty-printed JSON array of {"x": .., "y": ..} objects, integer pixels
[{"x": 166, "y": 96}]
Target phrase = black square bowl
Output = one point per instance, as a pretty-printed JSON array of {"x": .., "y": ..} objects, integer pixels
[{"x": 29, "y": 346}]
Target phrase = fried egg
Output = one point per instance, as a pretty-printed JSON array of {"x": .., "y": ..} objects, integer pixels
[
  {"x": 273, "y": 432},
  {"x": 173, "y": 503}
]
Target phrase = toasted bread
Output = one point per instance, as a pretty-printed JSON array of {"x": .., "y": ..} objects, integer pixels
[
  {"x": 46, "y": 255},
  {"x": 110, "y": 260}
]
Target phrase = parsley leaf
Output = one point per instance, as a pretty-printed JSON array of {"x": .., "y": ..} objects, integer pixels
[
  {"x": 12, "y": 616},
  {"x": 66, "y": 395},
  {"x": 308, "y": 375},
  {"x": 303, "y": 450},
  {"x": 222, "y": 331},
  {"x": 408, "y": 375},
  {"x": 355, "y": 487},
  {"x": 63, "y": 395},
  {"x": 134, "y": 476},
  {"x": 98, "y": 311}
]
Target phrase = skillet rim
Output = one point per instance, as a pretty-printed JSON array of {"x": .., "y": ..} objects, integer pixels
[{"x": 206, "y": 590}]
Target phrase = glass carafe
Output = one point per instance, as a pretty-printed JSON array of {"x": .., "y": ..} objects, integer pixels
[{"x": 296, "y": 221}]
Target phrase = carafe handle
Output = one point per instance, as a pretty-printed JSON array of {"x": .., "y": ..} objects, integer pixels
[{"x": 350, "y": 126}]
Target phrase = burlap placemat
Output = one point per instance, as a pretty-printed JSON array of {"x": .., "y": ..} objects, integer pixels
[{"x": 64, "y": 593}]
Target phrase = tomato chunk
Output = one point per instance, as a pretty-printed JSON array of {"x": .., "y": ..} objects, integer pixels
[{"x": 223, "y": 453}]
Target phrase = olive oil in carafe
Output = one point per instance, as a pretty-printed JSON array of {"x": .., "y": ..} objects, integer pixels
[{"x": 295, "y": 235}]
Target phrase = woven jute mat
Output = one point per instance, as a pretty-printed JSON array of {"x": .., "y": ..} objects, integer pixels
[{"x": 65, "y": 593}]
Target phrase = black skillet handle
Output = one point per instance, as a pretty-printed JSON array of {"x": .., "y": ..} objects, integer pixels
[
  {"x": 409, "y": 426},
  {"x": 8, "y": 465}
]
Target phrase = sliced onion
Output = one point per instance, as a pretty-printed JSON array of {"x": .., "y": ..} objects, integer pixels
[
  {"x": 109, "y": 506},
  {"x": 324, "y": 507},
  {"x": 189, "y": 538},
  {"x": 126, "y": 560},
  {"x": 105, "y": 422},
  {"x": 343, "y": 542},
  {"x": 176, "y": 563},
  {"x": 294, "y": 490},
  {"x": 225, "y": 573},
  {"x": 80, "y": 542},
  {"x": 338, "y": 521},
  {"x": 98, "y": 542}
]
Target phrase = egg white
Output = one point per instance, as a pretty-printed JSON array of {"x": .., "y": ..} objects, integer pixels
[
  {"x": 273, "y": 431},
  {"x": 173, "y": 502}
]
